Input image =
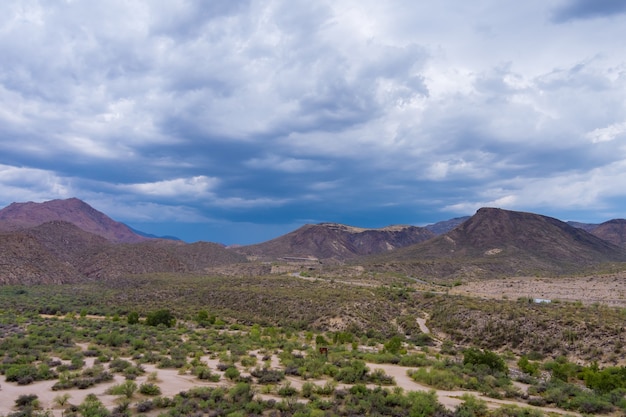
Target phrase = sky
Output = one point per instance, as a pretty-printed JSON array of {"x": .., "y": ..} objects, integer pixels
[{"x": 236, "y": 121}]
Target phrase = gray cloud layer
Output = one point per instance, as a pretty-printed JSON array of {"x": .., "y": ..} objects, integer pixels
[{"x": 258, "y": 116}]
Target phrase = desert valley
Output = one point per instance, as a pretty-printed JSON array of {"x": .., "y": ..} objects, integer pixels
[{"x": 502, "y": 313}]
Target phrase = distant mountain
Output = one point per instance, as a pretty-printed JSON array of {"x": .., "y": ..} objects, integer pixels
[
  {"x": 336, "y": 241},
  {"x": 151, "y": 236},
  {"x": 502, "y": 242},
  {"x": 18, "y": 216},
  {"x": 588, "y": 227},
  {"x": 445, "y": 226},
  {"x": 63, "y": 241},
  {"x": 60, "y": 252},
  {"x": 613, "y": 231}
]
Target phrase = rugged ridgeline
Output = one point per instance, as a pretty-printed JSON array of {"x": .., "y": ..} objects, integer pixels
[
  {"x": 68, "y": 241},
  {"x": 331, "y": 241},
  {"x": 497, "y": 242},
  {"x": 36, "y": 249}
]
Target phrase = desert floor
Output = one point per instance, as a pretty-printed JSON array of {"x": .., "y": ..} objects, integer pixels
[
  {"x": 609, "y": 289},
  {"x": 172, "y": 382}
]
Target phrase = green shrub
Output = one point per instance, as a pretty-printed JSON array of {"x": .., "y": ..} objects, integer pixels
[
  {"x": 163, "y": 316},
  {"x": 287, "y": 390},
  {"x": 424, "y": 404},
  {"x": 394, "y": 344},
  {"x": 308, "y": 389},
  {"x": 149, "y": 389},
  {"x": 437, "y": 378},
  {"x": 204, "y": 372},
  {"x": 127, "y": 389},
  {"x": 132, "y": 318},
  {"x": 526, "y": 366},
  {"x": 471, "y": 407},
  {"x": 267, "y": 376},
  {"x": 605, "y": 380},
  {"x": 92, "y": 407},
  {"x": 22, "y": 374},
  {"x": 27, "y": 400},
  {"x": 415, "y": 360},
  {"x": 562, "y": 369},
  {"x": 491, "y": 359},
  {"x": 231, "y": 373}
]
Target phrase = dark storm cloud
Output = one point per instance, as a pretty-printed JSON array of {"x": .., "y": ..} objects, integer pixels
[
  {"x": 260, "y": 116},
  {"x": 587, "y": 9}
]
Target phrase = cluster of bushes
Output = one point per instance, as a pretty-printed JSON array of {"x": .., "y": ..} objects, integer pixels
[
  {"x": 82, "y": 380},
  {"x": 27, "y": 357},
  {"x": 604, "y": 391},
  {"x": 240, "y": 401},
  {"x": 483, "y": 371},
  {"x": 25, "y": 374}
]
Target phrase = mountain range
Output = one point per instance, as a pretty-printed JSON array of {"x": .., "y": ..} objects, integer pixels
[
  {"x": 496, "y": 242},
  {"x": 68, "y": 241}
]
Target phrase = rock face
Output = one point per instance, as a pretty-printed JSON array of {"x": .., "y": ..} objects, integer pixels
[
  {"x": 496, "y": 241},
  {"x": 336, "y": 241},
  {"x": 26, "y": 215}
]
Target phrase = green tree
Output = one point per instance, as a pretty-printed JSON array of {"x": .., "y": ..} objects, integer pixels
[
  {"x": 531, "y": 368},
  {"x": 133, "y": 317},
  {"x": 163, "y": 316},
  {"x": 202, "y": 317},
  {"x": 394, "y": 345},
  {"x": 491, "y": 359}
]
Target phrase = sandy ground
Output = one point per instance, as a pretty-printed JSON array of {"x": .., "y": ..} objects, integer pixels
[
  {"x": 607, "y": 289},
  {"x": 171, "y": 383}
]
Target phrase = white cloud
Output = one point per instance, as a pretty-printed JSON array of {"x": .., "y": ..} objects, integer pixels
[
  {"x": 195, "y": 187},
  {"x": 565, "y": 191},
  {"x": 607, "y": 134},
  {"x": 18, "y": 184},
  {"x": 130, "y": 210},
  {"x": 248, "y": 203},
  {"x": 471, "y": 103}
]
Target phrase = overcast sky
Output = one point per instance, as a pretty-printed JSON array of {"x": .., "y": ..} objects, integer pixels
[{"x": 238, "y": 121}]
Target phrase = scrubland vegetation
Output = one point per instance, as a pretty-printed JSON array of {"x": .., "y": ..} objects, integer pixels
[{"x": 251, "y": 346}]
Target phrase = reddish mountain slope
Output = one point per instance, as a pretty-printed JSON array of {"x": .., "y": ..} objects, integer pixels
[
  {"x": 25, "y": 260},
  {"x": 25, "y": 215},
  {"x": 613, "y": 231},
  {"x": 502, "y": 242},
  {"x": 336, "y": 241},
  {"x": 65, "y": 241}
]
